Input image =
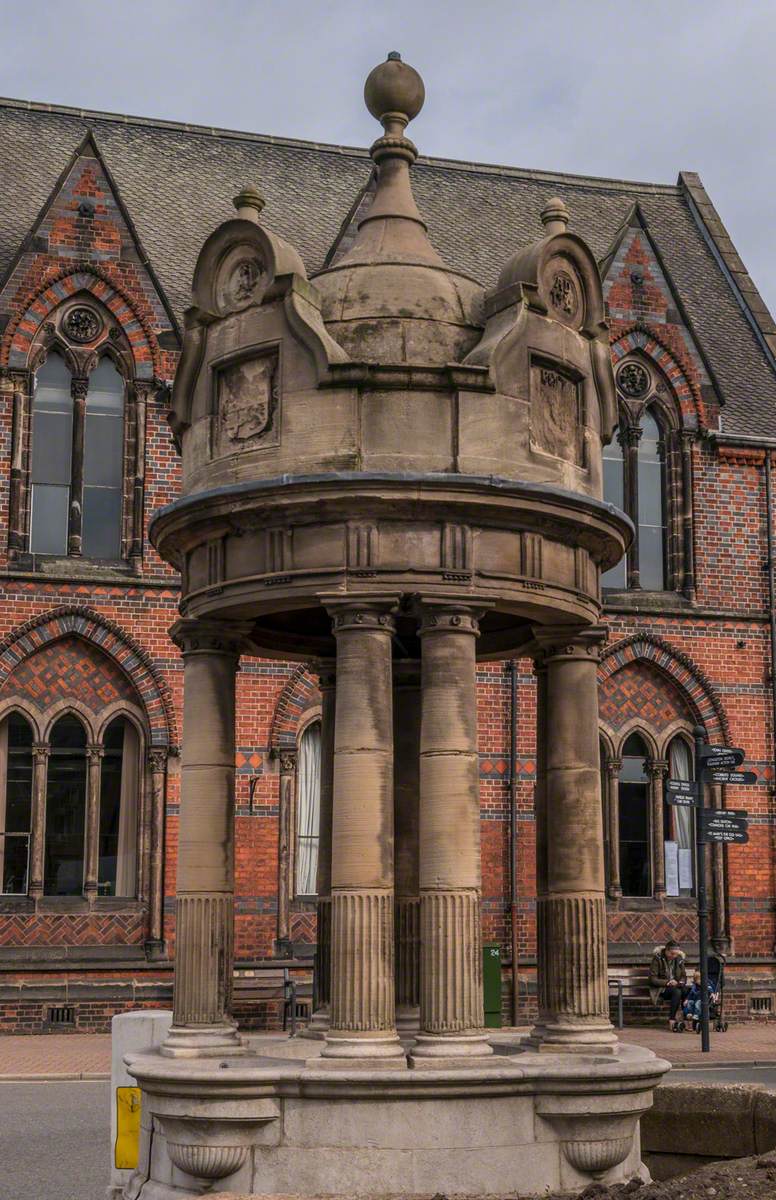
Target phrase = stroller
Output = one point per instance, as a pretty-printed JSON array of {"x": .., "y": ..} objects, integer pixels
[{"x": 715, "y": 965}]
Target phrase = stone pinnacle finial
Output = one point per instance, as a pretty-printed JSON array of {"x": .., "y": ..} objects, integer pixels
[
  {"x": 249, "y": 202},
  {"x": 555, "y": 216},
  {"x": 394, "y": 94}
]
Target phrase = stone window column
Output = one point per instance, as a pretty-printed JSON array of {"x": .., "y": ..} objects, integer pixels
[
  {"x": 204, "y": 910},
  {"x": 657, "y": 770},
  {"x": 94, "y": 756},
  {"x": 571, "y": 908},
  {"x": 327, "y": 682},
  {"x": 451, "y": 1000},
  {"x": 406, "y": 794},
  {"x": 285, "y": 811},
  {"x": 40, "y": 756},
  {"x": 79, "y": 388},
  {"x": 613, "y": 767},
  {"x": 157, "y": 765},
  {"x": 362, "y": 1028}
]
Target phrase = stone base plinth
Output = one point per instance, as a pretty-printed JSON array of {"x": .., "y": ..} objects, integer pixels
[{"x": 267, "y": 1124}]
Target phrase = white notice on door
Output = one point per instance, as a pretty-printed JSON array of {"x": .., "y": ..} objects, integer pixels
[{"x": 672, "y": 868}]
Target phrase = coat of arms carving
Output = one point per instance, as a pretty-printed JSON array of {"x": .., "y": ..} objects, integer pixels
[
  {"x": 556, "y": 416},
  {"x": 247, "y": 398}
]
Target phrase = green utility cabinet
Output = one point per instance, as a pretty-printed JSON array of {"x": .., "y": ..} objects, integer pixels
[{"x": 491, "y": 984}]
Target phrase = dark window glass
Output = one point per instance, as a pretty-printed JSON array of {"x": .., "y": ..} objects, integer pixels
[
  {"x": 614, "y": 492},
  {"x": 15, "y": 827},
  {"x": 651, "y": 518},
  {"x": 634, "y": 820},
  {"x": 66, "y": 809},
  {"x": 103, "y": 470},
  {"x": 110, "y": 806},
  {"x": 52, "y": 438}
]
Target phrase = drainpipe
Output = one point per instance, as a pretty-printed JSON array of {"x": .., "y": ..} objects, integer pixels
[{"x": 513, "y": 836}]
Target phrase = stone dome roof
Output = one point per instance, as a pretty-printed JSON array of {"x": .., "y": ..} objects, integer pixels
[{"x": 391, "y": 298}]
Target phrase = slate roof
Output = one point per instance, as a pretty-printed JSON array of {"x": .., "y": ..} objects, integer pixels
[{"x": 177, "y": 182}]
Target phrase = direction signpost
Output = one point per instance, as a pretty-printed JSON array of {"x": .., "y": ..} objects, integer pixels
[{"x": 716, "y": 765}]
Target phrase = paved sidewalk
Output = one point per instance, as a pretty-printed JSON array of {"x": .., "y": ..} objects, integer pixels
[{"x": 87, "y": 1055}]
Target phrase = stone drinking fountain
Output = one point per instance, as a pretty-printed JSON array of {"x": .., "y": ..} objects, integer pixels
[{"x": 391, "y": 471}]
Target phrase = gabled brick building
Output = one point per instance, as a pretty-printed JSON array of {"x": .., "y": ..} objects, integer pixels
[{"x": 101, "y": 220}]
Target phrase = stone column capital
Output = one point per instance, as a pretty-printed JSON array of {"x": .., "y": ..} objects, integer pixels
[
  {"x": 193, "y": 636},
  {"x": 287, "y": 760},
  {"x": 569, "y": 642},
  {"x": 656, "y": 768},
  {"x": 326, "y": 670},
  {"x": 363, "y": 614},
  {"x": 79, "y": 386},
  {"x": 94, "y": 751},
  {"x": 614, "y": 766},
  {"x": 41, "y": 750},
  {"x": 449, "y": 618},
  {"x": 630, "y": 435},
  {"x": 157, "y": 760}
]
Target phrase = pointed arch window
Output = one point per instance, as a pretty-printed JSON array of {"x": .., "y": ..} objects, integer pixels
[
  {"x": 634, "y": 825},
  {"x": 66, "y": 809},
  {"x": 15, "y": 804},
  {"x": 647, "y": 473},
  {"x": 119, "y": 787},
  {"x": 77, "y": 461},
  {"x": 308, "y": 797}
]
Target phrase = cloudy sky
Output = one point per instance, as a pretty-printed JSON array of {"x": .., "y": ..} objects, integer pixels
[{"x": 637, "y": 89}]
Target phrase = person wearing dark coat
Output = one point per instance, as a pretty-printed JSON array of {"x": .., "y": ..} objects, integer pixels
[{"x": 668, "y": 978}]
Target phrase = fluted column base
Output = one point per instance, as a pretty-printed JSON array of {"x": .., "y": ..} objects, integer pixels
[
  {"x": 362, "y": 1029},
  {"x": 573, "y": 988},
  {"x": 452, "y": 1018},
  {"x": 203, "y": 978}
]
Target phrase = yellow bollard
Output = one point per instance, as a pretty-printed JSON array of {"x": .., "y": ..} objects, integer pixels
[{"x": 127, "y": 1127}]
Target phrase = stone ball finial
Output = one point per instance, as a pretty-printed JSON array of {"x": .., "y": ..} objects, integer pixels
[
  {"x": 249, "y": 202},
  {"x": 555, "y": 216},
  {"x": 394, "y": 87}
]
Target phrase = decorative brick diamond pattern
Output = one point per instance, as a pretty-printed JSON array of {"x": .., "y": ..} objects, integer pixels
[
  {"x": 641, "y": 692},
  {"x": 69, "y": 670}
]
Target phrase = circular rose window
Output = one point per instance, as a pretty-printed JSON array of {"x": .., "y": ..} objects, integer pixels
[
  {"x": 633, "y": 380},
  {"x": 82, "y": 324}
]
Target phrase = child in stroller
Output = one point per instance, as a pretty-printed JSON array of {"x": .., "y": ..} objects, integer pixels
[{"x": 692, "y": 1003}]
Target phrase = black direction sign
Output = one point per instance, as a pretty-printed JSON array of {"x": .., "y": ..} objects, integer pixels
[
  {"x": 720, "y": 756},
  {"x": 739, "y": 778},
  {"x": 683, "y": 792},
  {"x": 723, "y": 825}
]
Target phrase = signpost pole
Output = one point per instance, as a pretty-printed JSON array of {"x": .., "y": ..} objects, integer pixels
[{"x": 703, "y": 910}]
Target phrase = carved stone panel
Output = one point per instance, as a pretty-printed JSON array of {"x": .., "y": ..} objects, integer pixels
[
  {"x": 556, "y": 412},
  {"x": 246, "y": 403},
  {"x": 242, "y": 279},
  {"x": 565, "y": 293}
]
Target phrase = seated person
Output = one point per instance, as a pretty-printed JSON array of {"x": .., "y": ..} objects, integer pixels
[
  {"x": 692, "y": 1003},
  {"x": 668, "y": 979}
]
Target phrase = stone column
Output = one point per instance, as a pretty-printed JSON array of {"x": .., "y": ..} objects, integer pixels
[
  {"x": 94, "y": 755},
  {"x": 406, "y": 794},
  {"x": 657, "y": 769},
  {"x": 157, "y": 765},
  {"x": 285, "y": 810},
  {"x": 327, "y": 679},
  {"x": 613, "y": 768},
  {"x": 40, "y": 755},
  {"x": 362, "y": 1029},
  {"x": 204, "y": 909},
  {"x": 451, "y": 1001},
  {"x": 571, "y": 909}
]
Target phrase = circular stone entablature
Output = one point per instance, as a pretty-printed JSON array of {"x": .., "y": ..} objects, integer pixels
[{"x": 274, "y": 553}]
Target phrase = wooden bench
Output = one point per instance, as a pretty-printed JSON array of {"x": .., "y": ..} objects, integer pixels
[
  {"x": 267, "y": 982},
  {"x": 632, "y": 984}
]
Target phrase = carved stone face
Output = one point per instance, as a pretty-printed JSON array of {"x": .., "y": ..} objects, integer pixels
[{"x": 246, "y": 398}]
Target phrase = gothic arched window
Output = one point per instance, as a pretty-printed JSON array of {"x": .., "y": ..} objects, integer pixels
[
  {"x": 119, "y": 790},
  {"x": 77, "y": 461},
  {"x": 646, "y": 473},
  {"x": 15, "y": 804},
  {"x": 66, "y": 809},
  {"x": 308, "y": 796},
  {"x": 634, "y": 830},
  {"x": 52, "y": 450}
]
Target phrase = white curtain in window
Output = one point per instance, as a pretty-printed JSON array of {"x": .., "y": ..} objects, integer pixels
[
  {"x": 680, "y": 767},
  {"x": 126, "y": 859},
  {"x": 308, "y": 796}
]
